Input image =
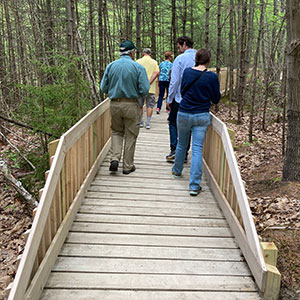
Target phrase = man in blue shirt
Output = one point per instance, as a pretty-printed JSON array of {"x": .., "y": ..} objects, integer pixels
[
  {"x": 185, "y": 60},
  {"x": 124, "y": 81}
]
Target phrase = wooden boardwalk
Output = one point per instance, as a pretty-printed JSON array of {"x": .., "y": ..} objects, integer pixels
[{"x": 142, "y": 237}]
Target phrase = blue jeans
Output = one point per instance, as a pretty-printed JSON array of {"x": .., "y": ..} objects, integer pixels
[
  {"x": 197, "y": 124},
  {"x": 163, "y": 85}
]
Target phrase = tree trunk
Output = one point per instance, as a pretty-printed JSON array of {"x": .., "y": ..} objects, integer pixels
[
  {"x": 11, "y": 56},
  {"x": 20, "y": 43},
  {"x": 254, "y": 72},
  {"x": 291, "y": 168},
  {"x": 283, "y": 93},
  {"x": 237, "y": 26},
  {"x": 269, "y": 74},
  {"x": 184, "y": 19},
  {"x": 138, "y": 25},
  {"x": 91, "y": 79},
  {"x": 174, "y": 26},
  {"x": 107, "y": 44},
  {"x": 69, "y": 27},
  {"x": 101, "y": 39},
  {"x": 219, "y": 26},
  {"x": 250, "y": 34},
  {"x": 207, "y": 24},
  {"x": 153, "y": 35},
  {"x": 231, "y": 55},
  {"x": 91, "y": 27},
  {"x": 49, "y": 38},
  {"x": 192, "y": 19},
  {"x": 242, "y": 77},
  {"x": 3, "y": 72}
]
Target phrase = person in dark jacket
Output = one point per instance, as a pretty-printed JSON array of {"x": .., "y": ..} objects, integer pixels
[{"x": 199, "y": 88}]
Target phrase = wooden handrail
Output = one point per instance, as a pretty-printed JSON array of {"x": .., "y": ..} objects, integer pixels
[
  {"x": 221, "y": 170},
  {"x": 78, "y": 155}
]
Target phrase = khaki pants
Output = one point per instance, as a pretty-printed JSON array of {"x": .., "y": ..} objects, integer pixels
[{"x": 125, "y": 114}]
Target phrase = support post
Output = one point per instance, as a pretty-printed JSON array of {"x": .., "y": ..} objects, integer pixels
[{"x": 270, "y": 253}]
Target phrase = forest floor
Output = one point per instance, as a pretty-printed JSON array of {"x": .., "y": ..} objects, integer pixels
[{"x": 274, "y": 203}]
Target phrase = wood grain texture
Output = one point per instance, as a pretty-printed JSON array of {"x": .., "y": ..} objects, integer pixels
[{"x": 142, "y": 237}]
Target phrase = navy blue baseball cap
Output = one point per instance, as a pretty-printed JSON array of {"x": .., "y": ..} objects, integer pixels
[{"x": 127, "y": 46}]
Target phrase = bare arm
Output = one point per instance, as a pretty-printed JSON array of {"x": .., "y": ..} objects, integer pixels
[{"x": 154, "y": 76}]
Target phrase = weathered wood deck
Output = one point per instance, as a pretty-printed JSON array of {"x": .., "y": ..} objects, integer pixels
[{"x": 142, "y": 237}]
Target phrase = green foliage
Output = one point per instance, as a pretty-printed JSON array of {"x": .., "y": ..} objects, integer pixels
[
  {"x": 33, "y": 182},
  {"x": 55, "y": 107},
  {"x": 12, "y": 156},
  {"x": 274, "y": 180}
]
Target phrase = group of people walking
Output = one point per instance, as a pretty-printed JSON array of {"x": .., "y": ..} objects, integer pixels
[{"x": 190, "y": 91}]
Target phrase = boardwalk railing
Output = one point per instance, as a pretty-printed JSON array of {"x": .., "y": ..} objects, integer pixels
[
  {"x": 222, "y": 173},
  {"x": 77, "y": 158}
]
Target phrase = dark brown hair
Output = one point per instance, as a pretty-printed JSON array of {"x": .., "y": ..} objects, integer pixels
[
  {"x": 185, "y": 39},
  {"x": 202, "y": 57},
  {"x": 168, "y": 54}
]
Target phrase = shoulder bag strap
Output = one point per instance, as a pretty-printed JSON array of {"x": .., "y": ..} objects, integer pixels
[{"x": 192, "y": 83}]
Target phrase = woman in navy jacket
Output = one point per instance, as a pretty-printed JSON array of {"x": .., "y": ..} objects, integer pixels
[{"x": 199, "y": 88}]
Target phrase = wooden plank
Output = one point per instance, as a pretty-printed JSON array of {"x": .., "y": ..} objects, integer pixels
[
  {"x": 85, "y": 155},
  {"x": 145, "y": 295},
  {"x": 188, "y": 199},
  {"x": 150, "y": 229},
  {"x": 169, "y": 185},
  {"x": 270, "y": 253},
  {"x": 147, "y": 240},
  {"x": 151, "y": 282},
  {"x": 119, "y": 219},
  {"x": 54, "y": 223},
  {"x": 111, "y": 251},
  {"x": 127, "y": 210},
  {"x": 69, "y": 194},
  {"x": 142, "y": 166},
  {"x": 52, "y": 146},
  {"x": 81, "y": 159},
  {"x": 149, "y": 203},
  {"x": 149, "y": 266},
  {"x": 273, "y": 283},
  {"x": 142, "y": 190},
  {"x": 74, "y": 164},
  {"x": 91, "y": 145},
  {"x": 145, "y": 174}
]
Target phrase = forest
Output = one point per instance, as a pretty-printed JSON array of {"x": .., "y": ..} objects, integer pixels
[{"x": 53, "y": 55}]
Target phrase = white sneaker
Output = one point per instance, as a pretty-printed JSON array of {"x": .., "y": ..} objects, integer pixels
[
  {"x": 141, "y": 125},
  {"x": 148, "y": 126}
]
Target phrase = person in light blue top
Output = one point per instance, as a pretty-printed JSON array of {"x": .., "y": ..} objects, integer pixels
[
  {"x": 124, "y": 81},
  {"x": 164, "y": 78},
  {"x": 182, "y": 61}
]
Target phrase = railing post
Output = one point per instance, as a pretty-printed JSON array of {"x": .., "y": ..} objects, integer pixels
[{"x": 270, "y": 253}]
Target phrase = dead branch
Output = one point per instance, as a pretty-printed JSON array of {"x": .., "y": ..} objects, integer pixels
[
  {"x": 25, "y": 126},
  {"x": 18, "y": 136},
  {"x": 12, "y": 145},
  {"x": 90, "y": 76},
  {"x": 16, "y": 183}
]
